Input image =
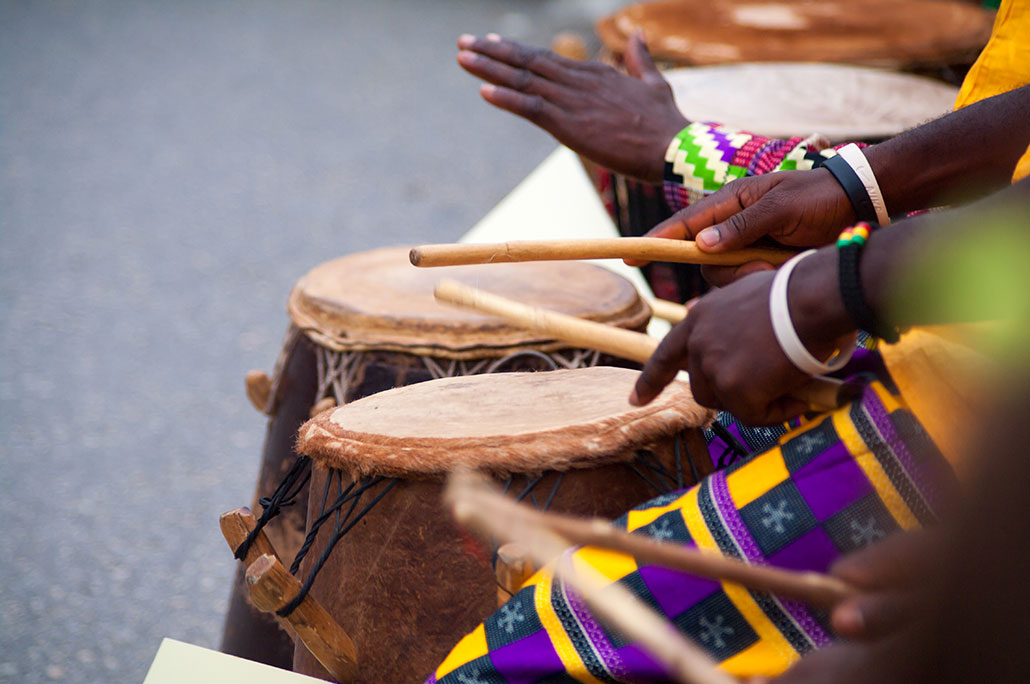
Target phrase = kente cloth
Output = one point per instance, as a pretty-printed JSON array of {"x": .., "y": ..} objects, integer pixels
[
  {"x": 705, "y": 156},
  {"x": 836, "y": 483}
]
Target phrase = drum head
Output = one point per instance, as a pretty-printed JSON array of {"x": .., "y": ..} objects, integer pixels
[
  {"x": 888, "y": 33},
  {"x": 378, "y": 300},
  {"x": 503, "y": 423},
  {"x": 846, "y": 103}
]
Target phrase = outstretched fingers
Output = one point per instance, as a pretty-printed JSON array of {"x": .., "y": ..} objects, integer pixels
[
  {"x": 504, "y": 75},
  {"x": 541, "y": 62},
  {"x": 534, "y": 108}
]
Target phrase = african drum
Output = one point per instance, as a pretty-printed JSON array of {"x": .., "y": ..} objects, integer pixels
[
  {"x": 404, "y": 582},
  {"x": 368, "y": 322},
  {"x": 897, "y": 34},
  {"x": 841, "y": 103}
]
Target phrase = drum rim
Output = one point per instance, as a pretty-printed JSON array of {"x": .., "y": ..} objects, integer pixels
[{"x": 363, "y": 454}]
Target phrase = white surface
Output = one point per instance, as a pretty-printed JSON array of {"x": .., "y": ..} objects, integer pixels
[
  {"x": 556, "y": 200},
  {"x": 181, "y": 663},
  {"x": 784, "y": 99}
]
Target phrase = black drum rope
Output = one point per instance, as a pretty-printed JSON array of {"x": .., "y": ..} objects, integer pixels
[
  {"x": 343, "y": 525},
  {"x": 734, "y": 449},
  {"x": 284, "y": 495}
]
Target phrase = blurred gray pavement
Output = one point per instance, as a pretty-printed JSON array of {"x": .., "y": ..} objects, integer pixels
[{"x": 167, "y": 171}]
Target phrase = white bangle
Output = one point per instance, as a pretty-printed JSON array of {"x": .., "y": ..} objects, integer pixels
[
  {"x": 783, "y": 327},
  {"x": 855, "y": 158}
]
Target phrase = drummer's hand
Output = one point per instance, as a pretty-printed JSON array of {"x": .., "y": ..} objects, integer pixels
[
  {"x": 795, "y": 208},
  {"x": 884, "y": 624},
  {"x": 727, "y": 344},
  {"x": 896, "y": 579},
  {"x": 622, "y": 122}
]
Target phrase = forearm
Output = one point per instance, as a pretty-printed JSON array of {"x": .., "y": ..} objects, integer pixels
[
  {"x": 958, "y": 157},
  {"x": 908, "y": 268}
]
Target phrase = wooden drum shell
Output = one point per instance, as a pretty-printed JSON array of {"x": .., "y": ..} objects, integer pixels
[{"x": 406, "y": 583}]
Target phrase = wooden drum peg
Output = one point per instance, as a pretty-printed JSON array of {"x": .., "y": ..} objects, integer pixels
[
  {"x": 323, "y": 404},
  {"x": 272, "y": 587},
  {"x": 570, "y": 44},
  {"x": 514, "y": 567},
  {"x": 259, "y": 389},
  {"x": 236, "y": 527}
]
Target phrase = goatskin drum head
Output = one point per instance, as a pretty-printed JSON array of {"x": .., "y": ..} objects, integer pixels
[
  {"x": 502, "y": 423},
  {"x": 378, "y": 300}
]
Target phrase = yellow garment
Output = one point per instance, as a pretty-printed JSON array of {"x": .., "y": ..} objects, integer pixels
[
  {"x": 945, "y": 383},
  {"x": 1003, "y": 65},
  {"x": 940, "y": 377}
]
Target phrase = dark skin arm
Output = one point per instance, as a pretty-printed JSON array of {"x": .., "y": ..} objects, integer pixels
[
  {"x": 622, "y": 122},
  {"x": 959, "y": 157},
  {"x": 727, "y": 344}
]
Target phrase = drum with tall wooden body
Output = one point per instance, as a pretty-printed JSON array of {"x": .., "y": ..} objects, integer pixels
[
  {"x": 405, "y": 582},
  {"x": 368, "y": 322},
  {"x": 769, "y": 81}
]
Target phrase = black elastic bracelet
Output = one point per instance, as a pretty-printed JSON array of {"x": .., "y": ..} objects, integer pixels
[
  {"x": 850, "y": 248},
  {"x": 853, "y": 186}
]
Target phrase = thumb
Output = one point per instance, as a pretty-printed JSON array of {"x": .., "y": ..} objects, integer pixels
[
  {"x": 741, "y": 229},
  {"x": 638, "y": 60}
]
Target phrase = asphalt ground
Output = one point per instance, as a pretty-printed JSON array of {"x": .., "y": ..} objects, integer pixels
[{"x": 167, "y": 171}]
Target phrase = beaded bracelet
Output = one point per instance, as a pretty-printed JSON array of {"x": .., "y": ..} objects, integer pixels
[{"x": 849, "y": 246}]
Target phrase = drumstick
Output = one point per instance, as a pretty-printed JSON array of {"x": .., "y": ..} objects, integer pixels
[
  {"x": 821, "y": 394},
  {"x": 272, "y": 587},
  {"x": 813, "y": 588},
  {"x": 638, "y": 248},
  {"x": 667, "y": 311},
  {"x": 471, "y": 498}
]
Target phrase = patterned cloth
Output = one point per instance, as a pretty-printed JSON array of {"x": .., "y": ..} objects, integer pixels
[
  {"x": 705, "y": 156},
  {"x": 830, "y": 486}
]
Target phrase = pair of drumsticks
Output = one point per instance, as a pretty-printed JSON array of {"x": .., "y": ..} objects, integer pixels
[
  {"x": 821, "y": 394},
  {"x": 547, "y": 536}
]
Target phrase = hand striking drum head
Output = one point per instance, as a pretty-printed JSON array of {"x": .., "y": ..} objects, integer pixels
[{"x": 512, "y": 422}]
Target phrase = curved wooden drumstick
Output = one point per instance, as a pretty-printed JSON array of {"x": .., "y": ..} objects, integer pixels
[
  {"x": 637, "y": 248},
  {"x": 475, "y": 504},
  {"x": 821, "y": 394}
]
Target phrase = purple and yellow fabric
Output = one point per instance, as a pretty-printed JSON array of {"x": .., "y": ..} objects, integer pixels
[{"x": 826, "y": 487}]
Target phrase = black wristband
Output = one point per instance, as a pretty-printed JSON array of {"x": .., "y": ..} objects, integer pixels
[
  {"x": 853, "y": 295},
  {"x": 854, "y": 188}
]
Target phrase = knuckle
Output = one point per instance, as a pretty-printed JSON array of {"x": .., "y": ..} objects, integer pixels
[
  {"x": 524, "y": 56},
  {"x": 533, "y": 108},
  {"x": 738, "y": 224},
  {"x": 523, "y": 79}
]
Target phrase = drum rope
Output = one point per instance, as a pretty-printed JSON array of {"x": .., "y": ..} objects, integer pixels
[
  {"x": 343, "y": 525},
  {"x": 734, "y": 449},
  {"x": 285, "y": 494}
]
